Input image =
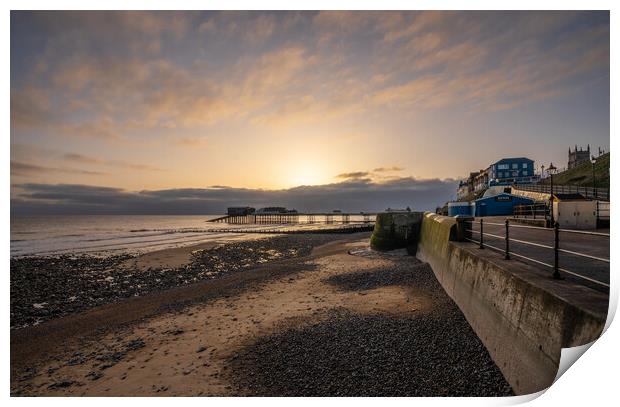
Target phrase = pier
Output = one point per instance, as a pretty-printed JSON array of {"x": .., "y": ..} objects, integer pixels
[
  {"x": 297, "y": 218},
  {"x": 315, "y": 231}
]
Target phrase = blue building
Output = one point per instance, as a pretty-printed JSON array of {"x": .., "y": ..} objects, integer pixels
[
  {"x": 507, "y": 171},
  {"x": 499, "y": 205},
  {"x": 459, "y": 208}
]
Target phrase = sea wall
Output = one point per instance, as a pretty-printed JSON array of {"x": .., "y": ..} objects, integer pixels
[
  {"x": 395, "y": 230},
  {"x": 523, "y": 325}
]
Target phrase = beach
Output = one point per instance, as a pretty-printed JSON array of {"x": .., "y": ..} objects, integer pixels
[
  {"x": 47, "y": 287},
  {"x": 325, "y": 316}
]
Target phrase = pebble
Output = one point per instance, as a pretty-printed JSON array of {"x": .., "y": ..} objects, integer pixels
[{"x": 432, "y": 352}]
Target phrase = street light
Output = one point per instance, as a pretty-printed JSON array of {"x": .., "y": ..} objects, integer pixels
[
  {"x": 551, "y": 171},
  {"x": 594, "y": 176}
]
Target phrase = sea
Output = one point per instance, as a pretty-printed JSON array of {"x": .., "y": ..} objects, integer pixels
[{"x": 121, "y": 234}]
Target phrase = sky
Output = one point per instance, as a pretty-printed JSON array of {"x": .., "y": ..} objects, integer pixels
[{"x": 191, "y": 112}]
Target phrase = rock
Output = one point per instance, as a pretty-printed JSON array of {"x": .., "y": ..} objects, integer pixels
[
  {"x": 135, "y": 344},
  {"x": 92, "y": 375},
  {"x": 61, "y": 384}
]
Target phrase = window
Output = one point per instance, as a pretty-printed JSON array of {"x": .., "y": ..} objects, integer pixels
[
  {"x": 502, "y": 167},
  {"x": 524, "y": 165},
  {"x": 501, "y": 174},
  {"x": 515, "y": 166}
]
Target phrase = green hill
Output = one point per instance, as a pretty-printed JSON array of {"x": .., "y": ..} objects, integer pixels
[{"x": 582, "y": 175}]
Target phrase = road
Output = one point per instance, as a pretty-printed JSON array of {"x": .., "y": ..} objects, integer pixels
[{"x": 591, "y": 245}]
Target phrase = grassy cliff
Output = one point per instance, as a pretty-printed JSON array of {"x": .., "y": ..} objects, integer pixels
[{"x": 582, "y": 175}]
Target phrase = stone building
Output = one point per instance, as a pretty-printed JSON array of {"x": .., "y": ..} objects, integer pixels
[{"x": 578, "y": 157}]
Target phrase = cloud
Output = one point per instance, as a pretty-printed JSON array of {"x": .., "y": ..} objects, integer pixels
[
  {"x": 21, "y": 169},
  {"x": 123, "y": 95},
  {"x": 55, "y": 160},
  {"x": 149, "y": 79},
  {"x": 249, "y": 28},
  {"x": 191, "y": 142},
  {"x": 380, "y": 175},
  {"x": 85, "y": 159},
  {"x": 30, "y": 107},
  {"x": 207, "y": 26},
  {"x": 388, "y": 169},
  {"x": 80, "y": 158},
  {"x": 420, "y": 21},
  {"x": 485, "y": 61},
  {"x": 101, "y": 29},
  {"x": 353, "y": 175},
  {"x": 350, "y": 195}
]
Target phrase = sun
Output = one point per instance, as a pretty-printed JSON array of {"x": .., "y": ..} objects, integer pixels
[
  {"x": 304, "y": 177},
  {"x": 306, "y": 173}
]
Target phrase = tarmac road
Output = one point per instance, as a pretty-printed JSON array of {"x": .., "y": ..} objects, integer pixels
[{"x": 597, "y": 246}]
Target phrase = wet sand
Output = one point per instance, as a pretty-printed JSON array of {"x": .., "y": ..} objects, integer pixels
[
  {"x": 168, "y": 258},
  {"x": 202, "y": 339}
]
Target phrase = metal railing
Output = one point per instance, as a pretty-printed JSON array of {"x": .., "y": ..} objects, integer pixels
[
  {"x": 588, "y": 192},
  {"x": 534, "y": 211},
  {"x": 507, "y": 240}
]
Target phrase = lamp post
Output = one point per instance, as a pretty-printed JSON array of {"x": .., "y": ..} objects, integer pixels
[
  {"x": 550, "y": 171},
  {"x": 594, "y": 175}
]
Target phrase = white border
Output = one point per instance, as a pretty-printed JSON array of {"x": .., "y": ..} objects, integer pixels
[{"x": 593, "y": 378}]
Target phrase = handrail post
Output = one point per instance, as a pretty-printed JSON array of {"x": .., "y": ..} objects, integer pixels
[
  {"x": 507, "y": 255},
  {"x": 481, "y": 235},
  {"x": 556, "y": 247}
]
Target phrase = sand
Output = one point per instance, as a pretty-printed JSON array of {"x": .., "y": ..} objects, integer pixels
[{"x": 168, "y": 258}]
